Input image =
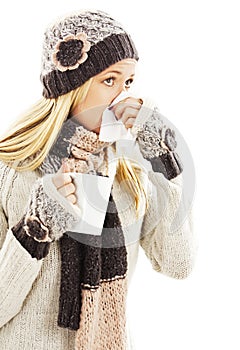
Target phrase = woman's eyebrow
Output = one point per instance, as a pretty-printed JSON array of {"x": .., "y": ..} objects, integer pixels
[{"x": 117, "y": 72}]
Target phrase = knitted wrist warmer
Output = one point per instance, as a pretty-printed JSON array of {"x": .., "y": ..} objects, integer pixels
[
  {"x": 157, "y": 144},
  {"x": 47, "y": 217}
]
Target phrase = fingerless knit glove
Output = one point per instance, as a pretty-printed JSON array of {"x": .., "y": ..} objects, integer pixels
[
  {"x": 48, "y": 216},
  {"x": 157, "y": 144}
]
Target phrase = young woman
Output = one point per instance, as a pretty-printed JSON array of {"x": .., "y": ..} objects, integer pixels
[{"x": 62, "y": 289}]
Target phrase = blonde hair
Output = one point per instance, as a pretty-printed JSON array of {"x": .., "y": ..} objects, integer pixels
[{"x": 35, "y": 131}]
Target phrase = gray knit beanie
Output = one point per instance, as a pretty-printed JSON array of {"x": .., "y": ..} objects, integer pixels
[{"x": 79, "y": 46}]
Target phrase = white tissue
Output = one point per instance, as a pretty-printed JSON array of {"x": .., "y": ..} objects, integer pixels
[{"x": 112, "y": 129}]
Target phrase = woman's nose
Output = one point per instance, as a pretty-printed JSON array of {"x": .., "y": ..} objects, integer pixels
[
  {"x": 117, "y": 94},
  {"x": 122, "y": 89}
]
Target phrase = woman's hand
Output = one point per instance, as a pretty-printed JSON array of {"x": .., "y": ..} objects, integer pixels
[
  {"x": 127, "y": 110},
  {"x": 64, "y": 183}
]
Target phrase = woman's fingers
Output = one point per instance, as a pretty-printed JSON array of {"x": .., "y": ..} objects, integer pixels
[
  {"x": 66, "y": 189},
  {"x": 65, "y": 167},
  {"x": 119, "y": 107},
  {"x": 129, "y": 123},
  {"x": 72, "y": 198},
  {"x": 127, "y": 110},
  {"x": 60, "y": 180},
  {"x": 64, "y": 183}
]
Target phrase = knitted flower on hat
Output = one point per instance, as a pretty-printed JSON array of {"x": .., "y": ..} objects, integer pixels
[{"x": 71, "y": 51}]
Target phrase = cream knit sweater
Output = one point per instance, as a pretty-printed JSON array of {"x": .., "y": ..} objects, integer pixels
[{"x": 29, "y": 288}]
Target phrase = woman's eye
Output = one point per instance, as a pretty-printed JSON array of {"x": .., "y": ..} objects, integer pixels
[
  {"x": 129, "y": 82},
  {"x": 109, "y": 81}
]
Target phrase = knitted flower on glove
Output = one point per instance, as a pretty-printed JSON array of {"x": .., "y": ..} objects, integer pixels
[
  {"x": 45, "y": 219},
  {"x": 157, "y": 144}
]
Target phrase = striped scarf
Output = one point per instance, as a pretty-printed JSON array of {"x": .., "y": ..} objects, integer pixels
[{"x": 93, "y": 285}]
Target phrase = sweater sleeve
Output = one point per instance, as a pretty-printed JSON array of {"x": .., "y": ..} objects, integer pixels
[
  {"x": 21, "y": 248},
  {"x": 167, "y": 235},
  {"x": 18, "y": 270}
]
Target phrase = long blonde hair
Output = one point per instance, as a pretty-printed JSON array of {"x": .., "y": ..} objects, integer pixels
[{"x": 35, "y": 131}]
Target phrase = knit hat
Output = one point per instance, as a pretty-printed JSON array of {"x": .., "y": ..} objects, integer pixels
[{"x": 79, "y": 46}]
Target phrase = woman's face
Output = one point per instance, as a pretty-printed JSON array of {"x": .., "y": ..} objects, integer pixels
[{"x": 105, "y": 87}]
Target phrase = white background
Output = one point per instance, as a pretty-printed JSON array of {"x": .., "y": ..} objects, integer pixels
[{"x": 189, "y": 64}]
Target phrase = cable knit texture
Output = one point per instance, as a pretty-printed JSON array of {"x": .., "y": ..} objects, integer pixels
[
  {"x": 46, "y": 219},
  {"x": 158, "y": 144},
  {"x": 30, "y": 288},
  {"x": 78, "y": 47},
  {"x": 96, "y": 24},
  {"x": 86, "y": 151},
  {"x": 54, "y": 218}
]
